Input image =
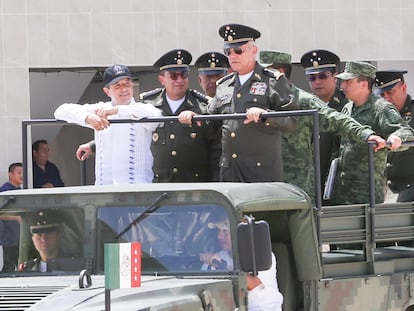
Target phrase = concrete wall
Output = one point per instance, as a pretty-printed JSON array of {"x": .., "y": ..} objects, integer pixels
[{"x": 42, "y": 35}]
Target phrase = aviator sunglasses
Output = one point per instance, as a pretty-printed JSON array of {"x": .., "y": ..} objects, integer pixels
[
  {"x": 238, "y": 50},
  {"x": 175, "y": 74},
  {"x": 320, "y": 76}
]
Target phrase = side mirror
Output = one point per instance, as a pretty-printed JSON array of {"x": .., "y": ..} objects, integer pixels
[{"x": 254, "y": 245}]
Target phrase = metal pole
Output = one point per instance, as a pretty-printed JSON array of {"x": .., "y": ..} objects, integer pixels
[{"x": 107, "y": 299}]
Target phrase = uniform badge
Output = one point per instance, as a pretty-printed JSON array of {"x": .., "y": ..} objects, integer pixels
[
  {"x": 193, "y": 135},
  {"x": 258, "y": 88},
  {"x": 155, "y": 137}
]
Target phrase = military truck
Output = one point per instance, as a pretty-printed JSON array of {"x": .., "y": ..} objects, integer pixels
[{"x": 352, "y": 257}]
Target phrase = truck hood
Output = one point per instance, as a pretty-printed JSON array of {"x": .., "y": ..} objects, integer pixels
[{"x": 159, "y": 293}]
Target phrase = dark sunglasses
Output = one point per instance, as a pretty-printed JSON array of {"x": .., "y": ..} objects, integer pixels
[
  {"x": 175, "y": 74},
  {"x": 238, "y": 50},
  {"x": 320, "y": 76}
]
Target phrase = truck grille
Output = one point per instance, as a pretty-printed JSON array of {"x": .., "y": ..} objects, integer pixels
[{"x": 22, "y": 298}]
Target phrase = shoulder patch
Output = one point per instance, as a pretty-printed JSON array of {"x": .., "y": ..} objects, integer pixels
[
  {"x": 200, "y": 96},
  {"x": 145, "y": 95},
  {"x": 273, "y": 73},
  {"x": 225, "y": 78}
]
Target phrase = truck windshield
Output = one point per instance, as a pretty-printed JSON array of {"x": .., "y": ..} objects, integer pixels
[{"x": 172, "y": 238}]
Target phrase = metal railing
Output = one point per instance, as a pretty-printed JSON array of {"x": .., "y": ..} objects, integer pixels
[{"x": 26, "y": 124}]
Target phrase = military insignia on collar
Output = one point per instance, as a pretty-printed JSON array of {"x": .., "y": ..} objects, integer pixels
[
  {"x": 257, "y": 76},
  {"x": 258, "y": 88},
  {"x": 336, "y": 99}
]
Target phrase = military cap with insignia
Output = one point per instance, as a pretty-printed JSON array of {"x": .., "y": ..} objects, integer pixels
[
  {"x": 385, "y": 80},
  {"x": 174, "y": 60},
  {"x": 267, "y": 58},
  {"x": 319, "y": 60},
  {"x": 355, "y": 69},
  {"x": 45, "y": 221},
  {"x": 236, "y": 34},
  {"x": 115, "y": 73},
  {"x": 212, "y": 63}
]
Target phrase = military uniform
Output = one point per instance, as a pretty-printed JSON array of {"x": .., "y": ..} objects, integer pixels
[
  {"x": 184, "y": 153},
  {"x": 41, "y": 222},
  {"x": 329, "y": 143},
  {"x": 252, "y": 152},
  {"x": 352, "y": 180},
  {"x": 316, "y": 61},
  {"x": 399, "y": 169},
  {"x": 298, "y": 157}
]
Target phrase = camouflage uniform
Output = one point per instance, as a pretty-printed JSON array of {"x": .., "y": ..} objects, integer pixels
[
  {"x": 400, "y": 171},
  {"x": 184, "y": 153},
  {"x": 252, "y": 152},
  {"x": 298, "y": 157},
  {"x": 351, "y": 184},
  {"x": 329, "y": 143}
]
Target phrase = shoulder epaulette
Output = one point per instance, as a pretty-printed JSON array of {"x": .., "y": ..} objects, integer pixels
[
  {"x": 200, "y": 96},
  {"x": 273, "y": 73},
  {"x": 145, "y": 95},
  {"x": 225, "y": 78}
]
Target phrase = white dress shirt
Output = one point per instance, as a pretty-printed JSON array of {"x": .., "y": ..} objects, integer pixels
[{"x": 123, "y": 150}]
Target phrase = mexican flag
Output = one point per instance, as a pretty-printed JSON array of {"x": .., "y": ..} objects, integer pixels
[{"x": 122, "y": 265}]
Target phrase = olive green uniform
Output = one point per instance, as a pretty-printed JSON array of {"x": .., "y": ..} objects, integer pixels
[
  {"x": 298, "y": 156},
  {"x": 252, "y": 152},
  {"x": 329, "y": 143},
  {"x": 400, "y": 168},
  {"x": 352, "y": 181},
  {"x": 184, "y": 153}
]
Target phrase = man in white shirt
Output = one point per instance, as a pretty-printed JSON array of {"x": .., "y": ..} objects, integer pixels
[
  {"x": 123, "y": 152},
  {"x": 263, "y": 291}
]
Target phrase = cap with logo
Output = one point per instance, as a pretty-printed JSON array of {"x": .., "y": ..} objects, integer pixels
[
  {"x": 319, "y": 60},
  {"x": 115, "y": 73},
  {"x": 267, "y": 58},
  {"x": 385, "y": 80},
  {"x": 236, "y": 34},
  {"x": 212, "y": 63},
  {"x": 355, "y": 69},
  {"x": 174, "y": 60},
  {"x": 45, "y": 221}
]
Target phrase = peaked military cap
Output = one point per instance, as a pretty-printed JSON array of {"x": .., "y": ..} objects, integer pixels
[
  {"x": 357, "y": 69},
  {"x": 267, "y": 58},
  {"x": 236, "y": 34},
  {"x": 212, "y": 63},
  {"x": 319, "y": 60},
  {"x": 45, "y": 221},
  {"x": 115, "y": 73},
  {"x": 174, "y": 60},
  {"x": 387, "y": 79}
]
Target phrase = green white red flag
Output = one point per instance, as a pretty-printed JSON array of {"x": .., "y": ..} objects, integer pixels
[{"x": 122, "y": 265}]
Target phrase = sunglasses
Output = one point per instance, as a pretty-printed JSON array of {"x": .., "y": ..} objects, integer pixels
[
  {"x": 238, "y": 50},
  {"x": 320, "y": 76},
  {"x": 175, "y": 74}
]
